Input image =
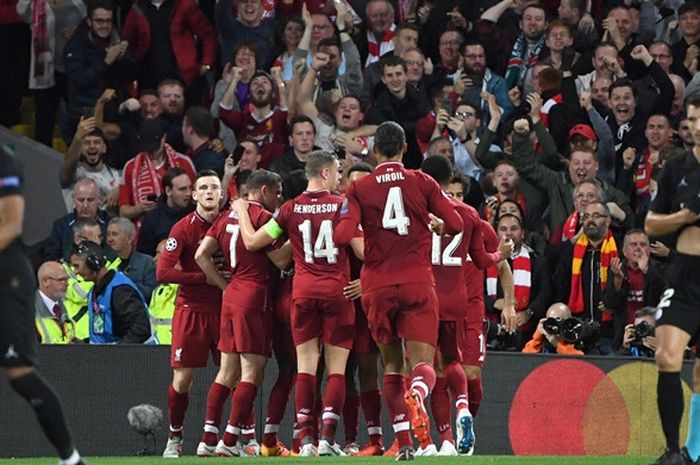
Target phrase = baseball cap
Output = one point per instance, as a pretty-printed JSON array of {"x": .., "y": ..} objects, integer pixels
[
  {"x": 583, "y": 130},
  {"x": 151, "y": 132}
]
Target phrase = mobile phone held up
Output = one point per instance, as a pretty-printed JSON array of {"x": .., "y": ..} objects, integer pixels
[{"x": 237, "y": 154}]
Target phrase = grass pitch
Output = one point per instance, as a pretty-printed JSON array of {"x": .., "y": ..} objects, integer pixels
[{"x": 475, "y": 460}]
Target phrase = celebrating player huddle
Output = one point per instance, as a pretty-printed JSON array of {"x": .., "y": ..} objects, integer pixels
[{"x": 410, "y": 237}]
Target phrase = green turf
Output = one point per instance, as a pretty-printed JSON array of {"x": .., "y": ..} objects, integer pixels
[{"x": 475, "y": 460}]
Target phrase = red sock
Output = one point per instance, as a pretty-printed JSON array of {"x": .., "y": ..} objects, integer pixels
[
  {"x": 332, "y": 405},
  {"x": 351, "y": 410},
  {"x": 457, "y": 384},
  {"x": 177, "y": 406},
  {"x": 394, "y": 389},
  {"x": 304, "y": 399},
  {"x": 248, "y": 425},
  {"x": 241, "y": 405},
  {"x": 440, "y": 405},
  {"x": 218, "y": 393},
  {"x": 276, "y": 406},
  {"x": 371, "y": 402},
  {"x": 423, "y": 379},
  {"x": 476, "y": 393}
]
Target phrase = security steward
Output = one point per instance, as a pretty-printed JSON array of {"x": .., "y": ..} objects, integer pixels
[{"x": 117, "y": 310}]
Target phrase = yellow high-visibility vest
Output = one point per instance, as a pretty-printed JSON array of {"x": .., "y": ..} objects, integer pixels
[{"x": 160, "y": 311}]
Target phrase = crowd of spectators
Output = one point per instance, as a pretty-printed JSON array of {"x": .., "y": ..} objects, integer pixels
[{"x": 558, "y": 115}]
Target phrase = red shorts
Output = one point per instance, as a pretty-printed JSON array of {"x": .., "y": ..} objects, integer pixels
[
  {"x": 363, "y": 343},
  {"x": 282, "y": 341},
  {"x": 333, "y": 321},
  {"x": 405, "y": 311},
  {"x": 473, "y": 344},
  {"x": 245, "y": 331},
  {"x": 476, "y": 310},
  {"x": 195, "y": 336},
  {"x": 450, "y": 335}
]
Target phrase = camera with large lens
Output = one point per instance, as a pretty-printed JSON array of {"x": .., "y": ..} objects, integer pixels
[
  {"x": 498, "y": 337},
  {"x": 573, "y": 330},
  {"x": 637, "y": 347},
  {"x": 642, "y": 330}
]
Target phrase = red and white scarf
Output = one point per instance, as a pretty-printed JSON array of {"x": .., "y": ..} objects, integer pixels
[
  {"x": 642, "y": 178},
  {"x": 522, "y": 278},
  {"x": 376, "y": 50},
  {"x": 547, "y": 107},
  {"x": 146, "y": 181},
  {"x": 608, "y": 250},
  {"x": 570, "y": 227},
  {"x": 42, "y": 54}
]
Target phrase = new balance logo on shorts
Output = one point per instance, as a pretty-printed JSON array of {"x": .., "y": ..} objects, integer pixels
[{"x": 178, "y": 354}]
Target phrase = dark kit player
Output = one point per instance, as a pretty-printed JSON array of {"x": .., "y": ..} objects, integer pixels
[
  {"x": 676, "y": 210},
  {"x": 18, "y": 353}
]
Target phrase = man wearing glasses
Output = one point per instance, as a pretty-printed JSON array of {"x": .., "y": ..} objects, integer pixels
[
  {"x": 476, "y": 78},
  {"x": 52, "y": 321},
  {"x": 95, "y": 59},
  {"x": 582, "y": 272}
]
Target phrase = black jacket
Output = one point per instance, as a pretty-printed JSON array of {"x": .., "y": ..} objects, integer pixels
[
  {"x": 590, "y": 283},
  {"x": 89, "y": 75},
  {"x": 406, "y": 112},
  {"x": 60, "y": 242},
  {"x": 156, "y": 225},
  {"x": 616, "y": 300},
  {"x": 129, "y": 315},
  {"x": 286, "y": 164},
  {"x": 205, "y": 158}
]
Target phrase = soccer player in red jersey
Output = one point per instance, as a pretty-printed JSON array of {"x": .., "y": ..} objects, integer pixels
[
  {"x": 195, "y": 325},
  {"x": 246, "y": 314},
  {"x": 394, "y": 207},
  {"x": 364, "y": 357},
  {"x": 320, "y": 312},
  {"x": 282, "y": 344},
  {"x": 448, "y": 252}
]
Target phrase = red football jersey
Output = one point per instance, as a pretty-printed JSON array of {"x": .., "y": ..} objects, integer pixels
[
  {"x": 270, "y": 134},
  {"x": 250, "y": 271},
  {"x": 464, "y": 250},
  {"x": 194, "y": 294},
  {"x": 321, "y": 268},
  {"x": 392, "y": 205}
]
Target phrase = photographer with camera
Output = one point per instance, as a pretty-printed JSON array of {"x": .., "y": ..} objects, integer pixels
[
  {"x": 547, "y": 341},
  {"x": 636, "y": 281},
  {"x": 639, "y": 340}
]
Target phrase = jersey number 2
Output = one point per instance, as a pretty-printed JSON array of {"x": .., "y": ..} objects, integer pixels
[{"x": 323, "y": 246}]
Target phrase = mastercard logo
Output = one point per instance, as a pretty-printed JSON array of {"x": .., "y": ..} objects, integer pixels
[{"x": 572, "y": 407}]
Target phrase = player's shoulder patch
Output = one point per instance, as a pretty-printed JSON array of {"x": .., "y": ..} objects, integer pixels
[
  {"x": 10, "y": 181},
  {"x": 171, "y": 244},
  {"x": 344, "y": 207}
]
